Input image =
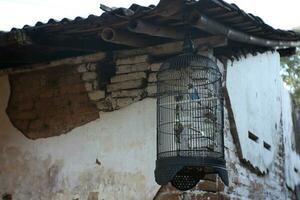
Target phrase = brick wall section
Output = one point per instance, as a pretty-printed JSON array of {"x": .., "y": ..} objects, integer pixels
[
  {"x": 53, "y": 101},
  {"x": 134, "y": 80},
  {"x": 49, "y": 102}
]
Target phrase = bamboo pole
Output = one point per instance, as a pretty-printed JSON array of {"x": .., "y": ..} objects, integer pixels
[
  {"x": 139, "y": 26},
  {"x": 204, "y": 23},
  {"x": 123, "y": 37}
]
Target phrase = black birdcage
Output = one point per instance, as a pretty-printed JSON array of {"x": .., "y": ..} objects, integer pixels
[{"x": 190, "y": 139}]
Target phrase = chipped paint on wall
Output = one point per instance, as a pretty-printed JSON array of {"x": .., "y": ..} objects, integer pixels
[
  {"x": 254, "y": 87},
  {"x": 244, "y": 184},
  {"x": 292, "y": 159},
  {"x": 114, "y": 157},
  {"x": 64, "y": 167}
]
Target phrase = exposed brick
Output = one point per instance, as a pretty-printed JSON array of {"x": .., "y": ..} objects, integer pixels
[
  {"x": 72, "y": 89},
  {"x": 152, "y": 77},
  {"x": 91, "y": 67},
  {"x": 82, "y": 68},
  {"x": 88, "y": 86},
  {"x": 18, "y": 84},
  {"x": 53, "y": 111},
  {"x": 125, "y": 69},
  {"x": 78, "y": 98},
  {"x": 77, "y": 108},
  {"x": 23, "y": 125},
  {"x": 125, "y": 85},
  {"x": 23, "y": 115},
  {"x": 23, "y": 106},
  {"x": 132, "y": 60},
  {"x": 221, "y": 185},
  {"x": 168, "y": 196},
  {"x": 69, "y": 79},
  {"x": 123, "y": 102},
  {"x": 95, "y": 84},
  {"x": 82, "y": 119},
  {"x": 89, "y": 76},
  {"x": 209, "y": 186},
  {"x": 50, "y": 127},
  {"x": 128, "y": 93},
  {"x": 93, "y": 196},
  {"x": 47, "y": 93},
  {"x": 151, "y": 90},
  {"x": 210, "y": 177},
  {"x": 37, "y": 124},
  {"x": 96, "y": 95},
  {"x": 43, "y": 104},
  {"x": 128, "y": 77},
  {"x": 57, "y": 105},
  {"x": 155, "y": 67},
  {"x": 209, "y": 196},
  {"x": 104, "y": 105}
]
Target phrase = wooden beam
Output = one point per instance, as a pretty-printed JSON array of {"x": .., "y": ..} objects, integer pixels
[
  {"x": 174, "y": 47},
  {"x": 123, "y": 37},
  {"x": 139, "y": 26},
  {"x": 96, "y": 57}
]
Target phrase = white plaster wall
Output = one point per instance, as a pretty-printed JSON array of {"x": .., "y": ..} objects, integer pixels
[
  {"x": 292, "y": 159},
  {"x": 65, "y": 167},
  {"x": 254, "y": 87}
]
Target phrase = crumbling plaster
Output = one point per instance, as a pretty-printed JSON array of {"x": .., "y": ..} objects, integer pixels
[
  {"x": 65, "y": 167},
  {"x": 292, "y": 159},
  {"x": 114, "y": 157},
  {"x": 254, "y": 87},
  {"x": 262, "y": 105}
]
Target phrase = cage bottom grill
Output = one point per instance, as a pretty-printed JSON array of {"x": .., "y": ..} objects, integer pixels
[
  {"x": 185, "y": 172},
  {"x": 187, "y": 178}
]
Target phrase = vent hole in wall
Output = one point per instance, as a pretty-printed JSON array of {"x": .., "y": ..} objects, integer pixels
[
  {"x": 267, "y": 146},
  {"x": 295, "y": 169},
  {"x": 253, "y": 137}
]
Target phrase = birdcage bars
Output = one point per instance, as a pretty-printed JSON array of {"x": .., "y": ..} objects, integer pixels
[{"x": 190, "y": 140}]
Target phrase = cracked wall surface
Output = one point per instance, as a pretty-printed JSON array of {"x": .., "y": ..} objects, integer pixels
[
  {"x": 113, "y": 157},
  {"x": 65, "y": 167},
  {"x": 254, "y": 87}
]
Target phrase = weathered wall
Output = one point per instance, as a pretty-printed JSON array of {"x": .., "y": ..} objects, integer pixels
[
  {"x": 51, "y": 102},
  {"x": 245, "y": 100},
  {"x": 113, "y": 157},
  {"x": 292, "y": 159},
  {"x": 65, "y": 167},
  {"x": 296, "y": 119},
  {"x": 254, "y": 87}
]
